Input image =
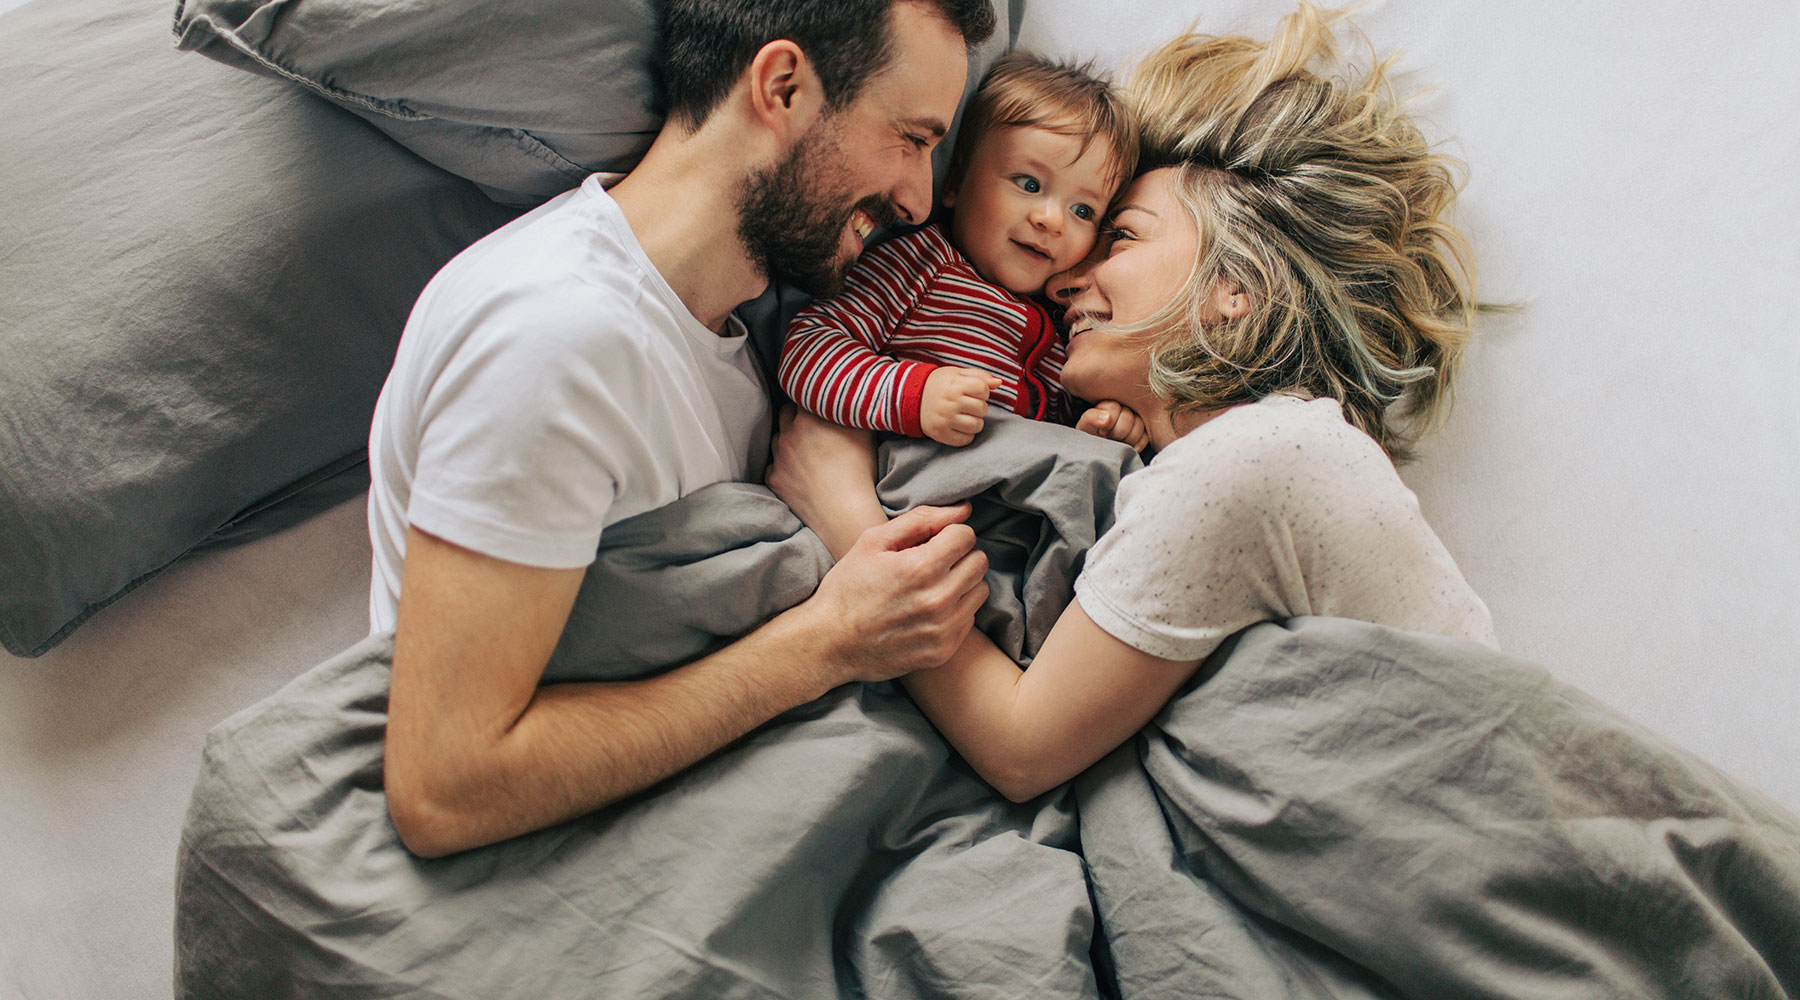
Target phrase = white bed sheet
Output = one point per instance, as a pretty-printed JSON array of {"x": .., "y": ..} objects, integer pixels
[{"x": 1621, "y": 479}]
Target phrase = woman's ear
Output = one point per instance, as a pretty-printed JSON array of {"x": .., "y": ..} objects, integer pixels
[{"x": 1230, "y": 300}]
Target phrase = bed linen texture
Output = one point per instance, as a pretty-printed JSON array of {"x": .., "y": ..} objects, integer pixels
[
  {"x": 1332, "y": 809},
  {"x": 840, "y": 850}
]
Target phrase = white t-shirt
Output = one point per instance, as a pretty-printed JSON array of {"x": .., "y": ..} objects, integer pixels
[
  {"x": 1269, "y": 510},
  {"x": 549, "y": 382}
]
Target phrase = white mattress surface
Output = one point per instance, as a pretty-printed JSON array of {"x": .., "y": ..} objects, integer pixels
[{"x": 1620, "y": 479}]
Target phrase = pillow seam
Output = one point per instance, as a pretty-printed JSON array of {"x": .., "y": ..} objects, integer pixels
[{"x": 185, "y": 39}]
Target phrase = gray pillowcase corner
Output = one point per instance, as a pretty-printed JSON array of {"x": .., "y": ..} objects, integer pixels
[
  {"x": 210, "y": 278},
  {"x": 524, "y": 102}
]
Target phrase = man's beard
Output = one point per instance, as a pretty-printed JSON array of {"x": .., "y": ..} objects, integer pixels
[{"x": 792, "y": 216}]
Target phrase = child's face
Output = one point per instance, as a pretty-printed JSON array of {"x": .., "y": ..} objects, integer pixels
[{"x": 1029, "y": 205}]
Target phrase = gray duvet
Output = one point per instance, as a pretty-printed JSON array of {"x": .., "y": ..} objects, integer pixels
[{"x": 1332, "y": 809}]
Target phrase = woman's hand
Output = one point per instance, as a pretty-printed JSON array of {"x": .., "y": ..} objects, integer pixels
[
  {"x": 825, "y": 472},
  {"x": 1117, "y": 422}
]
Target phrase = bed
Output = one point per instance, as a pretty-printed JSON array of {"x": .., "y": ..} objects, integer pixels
[{"x": 1618, "y": 479}]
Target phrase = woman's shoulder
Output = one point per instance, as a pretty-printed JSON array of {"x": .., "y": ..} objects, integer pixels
[
  {"x": 1274, "y": 434},
  {"x": 1279, "y": 459}
]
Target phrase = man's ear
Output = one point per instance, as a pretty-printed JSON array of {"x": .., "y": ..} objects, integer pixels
[
  {"x": 785, "y": 93},
  {"x": 1230, "y": 300}
]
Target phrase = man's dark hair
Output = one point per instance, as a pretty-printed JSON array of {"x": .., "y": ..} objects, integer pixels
[{"x": 706, "y": 44}]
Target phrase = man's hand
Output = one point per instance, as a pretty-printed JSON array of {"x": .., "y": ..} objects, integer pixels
[
  {"x": 953, "y": 408},
  {"x": 904, "y": 597},
  {"x": 1116, "y": 422},
  {"x": 904, "y": 592}
]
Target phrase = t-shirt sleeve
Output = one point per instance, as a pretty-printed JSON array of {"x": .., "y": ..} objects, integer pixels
[
  {"x": 1268, "y": 511},
  {"x": 524, "y": 437},
  {"x": 1198, "y": 551},
  {"x": 1215, "y": 535}
]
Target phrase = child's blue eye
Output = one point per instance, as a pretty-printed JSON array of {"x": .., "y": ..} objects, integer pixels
[
  {"x": 1028, "y": 183},
  {"x": 1084, "y": 212}
]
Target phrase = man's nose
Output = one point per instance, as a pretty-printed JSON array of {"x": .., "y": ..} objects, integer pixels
[{"x": 912, "y": 196}]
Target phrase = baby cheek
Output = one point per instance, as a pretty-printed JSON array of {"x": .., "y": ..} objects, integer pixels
[{"x": 1078, "y": 244}]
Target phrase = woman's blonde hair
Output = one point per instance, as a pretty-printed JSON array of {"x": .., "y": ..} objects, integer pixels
[{"x": 1319, "y": 198}]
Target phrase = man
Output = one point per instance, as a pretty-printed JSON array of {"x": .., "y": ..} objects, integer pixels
[{"x": 581, "y": 365}]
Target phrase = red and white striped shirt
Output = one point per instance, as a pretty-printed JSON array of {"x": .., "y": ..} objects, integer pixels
[{"x": 908, "y": 306}]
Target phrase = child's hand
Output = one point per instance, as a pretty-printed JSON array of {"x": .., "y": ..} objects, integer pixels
[
  {"x": 1115, "y": 421},
  {"x": 953, "y": 408}
]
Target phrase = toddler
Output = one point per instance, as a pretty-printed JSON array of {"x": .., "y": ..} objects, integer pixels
[{"x": 934, "y": 326}]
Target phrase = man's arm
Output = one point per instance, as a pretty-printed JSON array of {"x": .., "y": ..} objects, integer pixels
[{"x": 478, "y": 752}]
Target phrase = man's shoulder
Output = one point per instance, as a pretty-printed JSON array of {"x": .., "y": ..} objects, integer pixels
[{"x": 540, "y": 288}]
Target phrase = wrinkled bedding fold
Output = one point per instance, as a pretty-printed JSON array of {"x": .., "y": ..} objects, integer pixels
[{"x": 1332, "y": 809}]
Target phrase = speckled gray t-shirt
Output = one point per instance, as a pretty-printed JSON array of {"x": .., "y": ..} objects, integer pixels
[{"x": 1269, "y": 510}]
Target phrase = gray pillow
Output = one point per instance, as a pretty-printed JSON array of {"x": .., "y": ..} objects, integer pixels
[
  {"x": 524, "y": 99},
  {"x": 203, "y": 276}
]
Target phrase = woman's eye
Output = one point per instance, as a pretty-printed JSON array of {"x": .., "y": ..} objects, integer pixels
[
  {"x": 1028, "y": 183},
  {"x": 1084, "y": 212}
]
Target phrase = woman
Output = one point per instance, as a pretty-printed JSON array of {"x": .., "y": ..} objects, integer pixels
[{"x": 1281, "y": 300}]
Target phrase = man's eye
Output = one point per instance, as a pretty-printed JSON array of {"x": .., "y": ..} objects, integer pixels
[
  {"x": 1084, "y": 212},
  {"x": 1028, "y": 183}
]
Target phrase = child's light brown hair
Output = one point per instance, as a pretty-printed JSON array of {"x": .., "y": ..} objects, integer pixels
[{"x": 1022, "y": 90}]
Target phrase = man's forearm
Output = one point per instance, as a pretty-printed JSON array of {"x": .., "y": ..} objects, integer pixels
[
  {"x": 579, "y": 747},
  {"x": 477, "y": 751}
]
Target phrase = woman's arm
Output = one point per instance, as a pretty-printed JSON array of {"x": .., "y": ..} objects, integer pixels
[{"x": 1025, "y": 732}]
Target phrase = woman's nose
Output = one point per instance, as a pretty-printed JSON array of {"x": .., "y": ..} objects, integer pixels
[{"x": 1065, "y": 286}]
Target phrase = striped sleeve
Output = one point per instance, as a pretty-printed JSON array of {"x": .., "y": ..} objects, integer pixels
[{"x": 834, "y": 364}]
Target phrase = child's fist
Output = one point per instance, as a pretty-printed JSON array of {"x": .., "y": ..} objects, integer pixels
[
  {"x": 953, "y": 408},
  {"x": 1117, "y": 422}
]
